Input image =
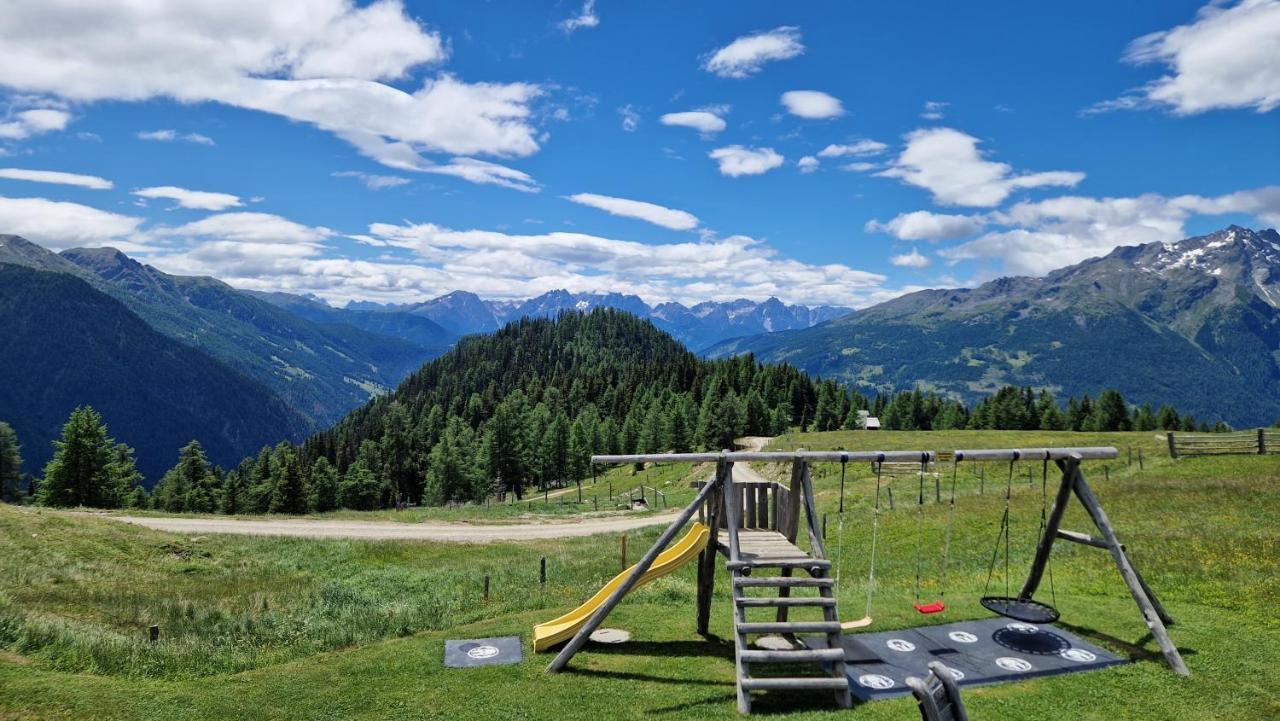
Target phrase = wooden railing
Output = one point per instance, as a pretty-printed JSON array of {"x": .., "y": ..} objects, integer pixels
[{"x": 1260, "y": 441}]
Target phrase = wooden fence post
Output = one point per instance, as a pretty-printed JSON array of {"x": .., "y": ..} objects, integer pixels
[
  {"x": 542, "y": 571},
  {"x": 1262, "y": 442},
  {"x": 153, "y": 633},
  {"x": 486, "y": 587},
  {"x": 1173, "y": 449},
  {"x": 624, "y": 552}
]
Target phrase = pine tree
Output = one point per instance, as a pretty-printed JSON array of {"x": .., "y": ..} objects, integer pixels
[
  {"x": 124, "y": 482},
  {"x": 1167, "y": 418},
  {"x": 189, "y": 485},
  {"x": 580, "y": 450},
  {"x": 1144, "y": 419},
  {"x": 10, "y": 462},
  {"x": 324, "y": 485},
  {"x": 290, "y": 492},
  {"x": 77, "y": 473},
  {"x": 1110, "y": 413},
  {"x": 360, "y": 489}
]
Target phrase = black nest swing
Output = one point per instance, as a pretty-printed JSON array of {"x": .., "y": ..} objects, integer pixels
[{"x": 1019, "y": 608}]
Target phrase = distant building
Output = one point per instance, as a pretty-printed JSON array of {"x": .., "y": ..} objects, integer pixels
[{"x": 871, "y": 424}]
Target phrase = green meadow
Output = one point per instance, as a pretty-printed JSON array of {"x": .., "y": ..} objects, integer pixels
[{"x": 277, "y": 628}]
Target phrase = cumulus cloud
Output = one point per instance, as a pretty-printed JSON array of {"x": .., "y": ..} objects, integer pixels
[
  {"x": 36, "y": 121},
  {"x": 924, "y": 225},
  {"x": 703, "y": 121},
  {"x": 807, "y": 164},
  {"x": 948, "y": 164},
  {"x": 586, "y": 18},
  {"x": 736, "y": 160},
  {"x": 1033, "y": 238},
  {"x": 648, "y": 212},
  {"x": 92, "y": 182},
  {"x": 326, "y": 63},
  {"x": 194, "y": 199},
  {"x": 372, "y": 181},
  {"x": 858, "y": 148},
  {"x": 911, "y": 260},
  {"x": 59, "y": 225},
  {"x": 248, "y": 227},
  {"x": 859, "y": 167},
  {"x": 169, "y": 135},
  {"x": 748, "y": 54},
  {"x": 812, "y": 104},
  {"x": 1225, "y": 59}
]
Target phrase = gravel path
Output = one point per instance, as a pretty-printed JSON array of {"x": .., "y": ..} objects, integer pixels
[{"x": 390, "y": 530}]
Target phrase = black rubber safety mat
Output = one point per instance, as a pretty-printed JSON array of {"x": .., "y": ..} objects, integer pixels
[
  {"x": 977, "y": 652},
  {"x": 469, "y": 653}
]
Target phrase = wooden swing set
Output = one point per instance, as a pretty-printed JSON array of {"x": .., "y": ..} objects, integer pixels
[{"x": 756, "y": 526}]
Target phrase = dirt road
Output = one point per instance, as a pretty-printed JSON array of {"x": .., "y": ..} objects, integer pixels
[{"x": 390, "y": 530}]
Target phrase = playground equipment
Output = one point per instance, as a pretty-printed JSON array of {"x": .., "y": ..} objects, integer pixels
[
  {"x": 546, "y": 635},
  {"x": 866, "y": 619},
  {"x": 938, "y": 695},
  {"x": 757, "y": 526},
  {"x": 1027, "y": 610}
]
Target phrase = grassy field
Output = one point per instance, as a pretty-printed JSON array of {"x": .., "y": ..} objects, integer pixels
[{"x": 296, "y": 628}]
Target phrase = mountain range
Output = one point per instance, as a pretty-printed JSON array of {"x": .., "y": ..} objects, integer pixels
[
  {"x": 1195, "y": 323},
  {"x": 697, "y": 327}
]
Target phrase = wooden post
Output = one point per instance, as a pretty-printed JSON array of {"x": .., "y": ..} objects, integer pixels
[
  {"x": 595, "y": 503},
  {"x": 645, "y": 563},
  {"x": 889, "y": 489},
  {"x": 1070, "y": 467},
  {"x": 1262, "y": 442},
  {"x": 542, "y": 571},
  {"x": 1173, "y": 449},
  {"x": 623, "y": 567},
  {"x": 1139, "y": 459},
  {"x": 153, "y": 633},
  {"x": 982, "y": 480},
  {"x": 707, "y": 561},
  {"x": 824, "y": 525},
  {"x": 486, "y": 587},
  {"x": 1131, "y": 578}
]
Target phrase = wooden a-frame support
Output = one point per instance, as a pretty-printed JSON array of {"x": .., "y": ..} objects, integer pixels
[{"x": 1153, "y": 613}]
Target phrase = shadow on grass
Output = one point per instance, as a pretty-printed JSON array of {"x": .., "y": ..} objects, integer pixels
[
  {"x": 1135, "y": 650},
  {"x": 712, "y": 647}
]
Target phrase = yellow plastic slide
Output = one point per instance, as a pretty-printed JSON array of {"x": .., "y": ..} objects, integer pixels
[{"x": 546, "y": 635}]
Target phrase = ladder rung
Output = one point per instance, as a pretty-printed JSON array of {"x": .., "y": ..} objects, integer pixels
[
  {"x": 814, "y": 683},
  {"x": 791, "y": 581},
  {"x": 790, "y": 601},
  {"x": 803, "y": 655},
  {"x": 790, "y": 627},
  {"x": 779, "y": 563}
]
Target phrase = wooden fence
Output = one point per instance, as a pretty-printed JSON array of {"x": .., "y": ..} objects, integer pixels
[{"x": 1259, "y": 441}]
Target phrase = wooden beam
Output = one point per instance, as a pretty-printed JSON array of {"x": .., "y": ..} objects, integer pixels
[
  {"x": 1131, "y": 578},
  {"x": 1070, "y": 468},
  {"x": 580, "y": 638},
  {"x": 1037, "y": 454},
  {"x": 1083, "y": 539},
  {"x": 707, "y": 561}
]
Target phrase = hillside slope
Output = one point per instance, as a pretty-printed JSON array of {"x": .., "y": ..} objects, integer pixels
[
  {"x": 67, "y": 344},
  {"x": 1194, "y": 323}
]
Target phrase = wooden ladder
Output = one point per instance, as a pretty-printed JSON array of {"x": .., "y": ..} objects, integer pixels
[{"x": 761, "y": 533}]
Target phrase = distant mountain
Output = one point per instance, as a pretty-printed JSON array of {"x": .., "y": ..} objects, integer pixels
[
  {"x": 321, "y": 371},
  {"x": 1194, "y": 323},
  {"x": 698, "y": 327},
  {"x": 66, "y": 343},
  {"x": 419, "y": 330}
]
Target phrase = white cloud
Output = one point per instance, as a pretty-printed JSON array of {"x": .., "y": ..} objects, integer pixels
[
  {"x": 169, "y": 135},
  {"x": 748, "y": 54},
  {"x": 630, "y": 118},
  {"x": 736, "y": 160},
  {"x": 53, "y": 176},
  {"x": 924, "y": 225},
  {"x": 933, "y": 109},
  {"x": 372, "y": 181},
  {"x": 195, "y": 199},
  {"x": 807, "y": 164},
  {"x": 703, "y": 121},
  {"x": 859, "y": 148},
  {"x": 1229, "y": 57},
  {"x": 948, "y": 164},
  {"x": 1037, "y": 237},
  {"x": 320, "y": 62},
  {"x": 812, "y": 104},
  {"x": 586, "y": 18},
  {"x": 648, "y": 212},
  {"x": 402, "y": 156},
  {"x": 37, "y": 121},
  {"x": 247, "y": 227},
  {"x": 859, "y": 167},
  {"x": 911, "y": 260},
  {"x": 59, "y": 225}
]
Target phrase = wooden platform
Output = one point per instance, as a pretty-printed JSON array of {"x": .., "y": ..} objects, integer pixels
[{"x": 761, "y": 546}]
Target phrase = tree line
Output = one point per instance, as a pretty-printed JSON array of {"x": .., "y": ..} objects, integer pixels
[{"x": 525, "y": 408}]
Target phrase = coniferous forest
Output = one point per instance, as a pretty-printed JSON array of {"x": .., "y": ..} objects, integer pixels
[{"x": 524, "y": 409}]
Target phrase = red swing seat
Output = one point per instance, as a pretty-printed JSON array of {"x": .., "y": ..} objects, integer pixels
[{"x": 928, "y": 608}]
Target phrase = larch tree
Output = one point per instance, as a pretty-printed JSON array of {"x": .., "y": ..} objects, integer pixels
[{"x": 77, "y": 473}]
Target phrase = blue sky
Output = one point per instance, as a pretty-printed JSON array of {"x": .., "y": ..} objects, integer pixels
[{"x": 825, "y": 152}]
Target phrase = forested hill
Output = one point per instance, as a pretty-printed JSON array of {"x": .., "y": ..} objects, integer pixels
[
  {"x": 65, "y": 344},
  {"x": 531, "y": 402}
]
